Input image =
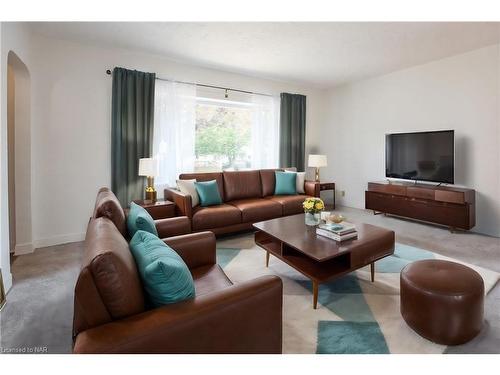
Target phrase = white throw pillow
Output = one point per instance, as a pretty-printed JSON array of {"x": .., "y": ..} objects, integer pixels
[
  {"x": 299, "y": 181},
  {"x": 187, "y": 187}
]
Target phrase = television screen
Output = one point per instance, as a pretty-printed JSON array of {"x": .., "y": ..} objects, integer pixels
[{"x": 425, "y": 156}]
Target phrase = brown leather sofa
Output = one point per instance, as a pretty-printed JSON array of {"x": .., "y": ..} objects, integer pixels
[
  {"x": 111, "y": 315},
  {"x": 107, "y": 205},
  {"x": 248, "y": 197}
]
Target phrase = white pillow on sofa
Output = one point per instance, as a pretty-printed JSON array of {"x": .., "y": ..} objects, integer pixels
[
  {"x": 300, "y": 180},
  {"x": 187, "y": 187}
]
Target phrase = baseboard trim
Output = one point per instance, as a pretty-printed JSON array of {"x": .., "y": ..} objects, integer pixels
[
  {"x": 22, "y": 249},
  {"x": 58, "y": 240}
]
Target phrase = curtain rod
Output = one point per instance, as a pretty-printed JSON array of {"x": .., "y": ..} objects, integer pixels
[{"x": 203, "y": 85}]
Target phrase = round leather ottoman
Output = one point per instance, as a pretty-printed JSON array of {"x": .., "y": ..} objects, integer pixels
[{"x": 442, "y": 301}]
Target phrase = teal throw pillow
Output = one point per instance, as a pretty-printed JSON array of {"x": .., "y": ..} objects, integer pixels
[
  {"x": 286, "y": 183},
  {"x": 140, "y": 219},
  {"x": 208, "y": 191},
  {"x": 165, "y": 276}
]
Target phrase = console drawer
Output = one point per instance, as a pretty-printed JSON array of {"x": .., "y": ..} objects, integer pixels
[
  {"x": 387, "y": 188},
  {"x": 419, "y": 192},
  {"x": 450, "y": 196}
]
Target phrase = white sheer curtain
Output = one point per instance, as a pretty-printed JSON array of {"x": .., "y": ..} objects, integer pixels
[
  {"x": 265, "y": 131},
  {"x": 174, "y": 131}
]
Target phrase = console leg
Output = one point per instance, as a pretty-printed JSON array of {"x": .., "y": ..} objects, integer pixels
[
  {"x": 372, "y": 271},
  {"x": 267, "y": 258},
  {"x": 315, "y": 295}
]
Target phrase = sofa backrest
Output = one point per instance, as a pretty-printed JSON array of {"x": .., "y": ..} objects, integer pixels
[
  {"x": 217, "y": 176},
  {"x": 268, "y": 178},
  {"x": 242, "y": 185},
  {"x": 239, "y": 184},
  {"x": 107, "y": 205},
  {"x": 108, "y": 286}
]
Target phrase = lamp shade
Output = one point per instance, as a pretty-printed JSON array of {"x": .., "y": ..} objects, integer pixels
[
  {"x": 317, "y": 161},
  {"x": 148, "y": 167}
]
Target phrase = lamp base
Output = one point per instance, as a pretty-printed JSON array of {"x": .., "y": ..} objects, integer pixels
[
  {"x": 317, "y": 174},
  {"x": 151, "y": 196}
]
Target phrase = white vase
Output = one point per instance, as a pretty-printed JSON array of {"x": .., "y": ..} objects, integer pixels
[{"x": 312, "y": 219}]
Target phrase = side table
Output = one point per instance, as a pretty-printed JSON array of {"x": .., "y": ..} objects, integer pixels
[
  {"x": 328, "y": 186},
  {"x": 161, "y": 209}
]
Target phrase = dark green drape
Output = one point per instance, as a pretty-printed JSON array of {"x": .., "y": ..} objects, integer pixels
[
  {"x": 132, "y": 117},
  {"x": 292, "y": 131}
]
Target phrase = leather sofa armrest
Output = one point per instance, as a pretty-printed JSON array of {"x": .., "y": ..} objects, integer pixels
[
  {"x": 312, "y": 188},
  {"x": 243, "y": 318},
  {"x": 173, "y": 226},
  {"x": 196, "y": 249},
  {"x": 183, "y": 203}
]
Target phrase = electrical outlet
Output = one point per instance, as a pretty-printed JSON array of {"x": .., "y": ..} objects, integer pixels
[{"x": 342, "y": 193}]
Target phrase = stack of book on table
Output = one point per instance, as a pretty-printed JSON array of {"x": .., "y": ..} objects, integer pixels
[{"x": 338, "y": 232}]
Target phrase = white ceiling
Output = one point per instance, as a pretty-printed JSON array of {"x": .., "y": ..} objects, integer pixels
[{"x": 317, "y": 54}]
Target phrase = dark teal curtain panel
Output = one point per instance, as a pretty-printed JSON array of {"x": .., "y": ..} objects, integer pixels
[
  {"x": 292, "y": 131},
  {"x": 132, "y": 116}
]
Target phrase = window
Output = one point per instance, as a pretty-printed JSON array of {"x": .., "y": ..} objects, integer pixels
[
  {"x": 196, "y": 130},
  {"x": 223, "y": 135}
]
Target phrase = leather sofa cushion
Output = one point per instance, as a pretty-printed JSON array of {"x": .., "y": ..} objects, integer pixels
[
  {"x": 209, "y": 278},
  {"x": 217, "y": 176},
  {"x": 108, "y": 286},
  {"x": 257, "y": 209},
  {"x": 215, "y": 216},
  {"x": 292, "y": 204},
  {"x": 268, "y": 179},
  {"x": 107, "y": 205},
  {"x": 241, "y": 185}
]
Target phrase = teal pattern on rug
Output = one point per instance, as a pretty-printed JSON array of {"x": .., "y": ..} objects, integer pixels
[
  {"x": 403, "y": 255},
  {"x": 343, "y": 297},
  {"x": 358, "y": 332},
  {"x": 350, "y": 338},
  {"x": 226, "y": 255}
]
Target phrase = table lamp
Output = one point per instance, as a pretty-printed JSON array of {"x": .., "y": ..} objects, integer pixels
[
  {"x": 317, "y": 161},
  {"x": 148, "y": 167}
]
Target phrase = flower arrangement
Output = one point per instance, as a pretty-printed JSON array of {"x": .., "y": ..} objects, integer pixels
[{"x": 313, "y": 205}]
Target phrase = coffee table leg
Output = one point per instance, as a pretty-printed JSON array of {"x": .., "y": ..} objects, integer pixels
[
  {"x": 267, "y": 258},
  {"x": 372, "y": 270},
  {"x": 315, "y": 294}
]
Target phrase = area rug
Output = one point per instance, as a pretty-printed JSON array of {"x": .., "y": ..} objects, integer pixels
[{"x": 354, "y": 315}]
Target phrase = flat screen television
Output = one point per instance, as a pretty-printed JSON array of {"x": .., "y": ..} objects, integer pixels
[{"x": 423, "y": 156}]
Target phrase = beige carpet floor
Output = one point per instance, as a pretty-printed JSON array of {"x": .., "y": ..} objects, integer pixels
[{"x": 38, "y": 313}]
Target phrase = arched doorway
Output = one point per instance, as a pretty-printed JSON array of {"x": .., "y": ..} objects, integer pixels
[{"x": 19, "y": 155}]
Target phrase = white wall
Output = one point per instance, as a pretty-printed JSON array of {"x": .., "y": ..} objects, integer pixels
[
  {"x": 4, "y": 241},
  {"x": 460, "y": 92},
  {"x": 19, "y": 124},
  {"x": 71, "y": 125},
  {"x": 14, "y": 37}
]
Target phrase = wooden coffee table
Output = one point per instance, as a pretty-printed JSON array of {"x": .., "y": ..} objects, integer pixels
[{"x": 319, "y": 258}]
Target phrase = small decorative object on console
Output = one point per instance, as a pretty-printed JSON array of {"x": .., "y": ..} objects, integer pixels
[{"x": 312, "y": 209}]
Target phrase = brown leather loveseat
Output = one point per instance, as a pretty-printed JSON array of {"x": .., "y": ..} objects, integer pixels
[
  {"x": 248, "y": 197},
  {"x": 111, "y": 313},
  {"x": 107, "y": 205}
]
